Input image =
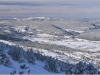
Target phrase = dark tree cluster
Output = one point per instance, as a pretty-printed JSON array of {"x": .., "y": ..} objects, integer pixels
[{"x": 4, "y": 60}]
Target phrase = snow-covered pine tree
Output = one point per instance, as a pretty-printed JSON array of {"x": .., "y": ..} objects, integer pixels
[
  {"x": 38, "y": 55},
  {"x": 30, "y": 56},
  {"x": 51, "y": 65},
  {"x": 4, "y": 60},
  {"x": 91, "y": 68},
  {"x": 16, "y": 53}
]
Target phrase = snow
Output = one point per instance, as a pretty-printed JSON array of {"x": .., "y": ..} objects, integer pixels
[
  {"x": 66, "y": 36},
  {"x": 7, "y": 31},
  {"x": 7, "y": 42},
  {"x": 45, "y": 35},
  {"x": 73, "y": 43},
  {"x": 19, "y": 28},
  {"x": 74, "y": 30},
  {"x": 39, "y": 30},
  {"x": 49, "y": 53},
  {"x": 38, "y": 68},
  {"x": 5, "y": 70},
  {"x": 39, "y": 18},
  {"x": 23, "y": 30},
  {"x": 33, "y": 18},
  {"x": 16, "y": 19}
]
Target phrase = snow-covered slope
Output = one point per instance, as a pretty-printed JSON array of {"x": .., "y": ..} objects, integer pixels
[
  {"x": 16, "y": 60},
  {"x": 8, "y": 65}
]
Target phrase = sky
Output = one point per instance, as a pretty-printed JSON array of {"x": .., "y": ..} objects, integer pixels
[{"x": 65, "y": 9}]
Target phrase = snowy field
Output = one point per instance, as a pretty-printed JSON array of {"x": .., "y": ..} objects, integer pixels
[{"x": 73, "y": 43}]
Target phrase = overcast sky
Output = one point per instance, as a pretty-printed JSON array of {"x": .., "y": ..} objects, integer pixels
[{"x": 67, "y": 9}]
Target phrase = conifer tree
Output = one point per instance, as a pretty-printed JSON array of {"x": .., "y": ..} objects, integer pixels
[{"x": 30, "y": 56}]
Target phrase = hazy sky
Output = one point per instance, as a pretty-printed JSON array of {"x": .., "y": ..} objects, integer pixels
[{"x": 79, "y": 9}]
